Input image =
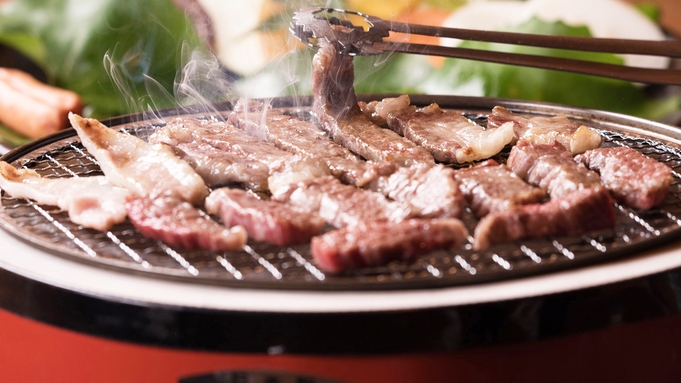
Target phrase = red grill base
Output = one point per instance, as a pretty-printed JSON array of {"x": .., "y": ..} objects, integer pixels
[{"x": 643, "y": 352}]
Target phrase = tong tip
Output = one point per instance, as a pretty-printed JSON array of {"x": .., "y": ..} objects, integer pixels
[{"x": 312, "y": 24}]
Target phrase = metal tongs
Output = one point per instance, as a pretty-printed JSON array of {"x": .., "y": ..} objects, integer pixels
[{"x": 311, "y": 24}]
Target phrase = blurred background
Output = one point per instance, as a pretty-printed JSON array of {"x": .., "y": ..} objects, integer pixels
[{"x": 126, "y": 56}]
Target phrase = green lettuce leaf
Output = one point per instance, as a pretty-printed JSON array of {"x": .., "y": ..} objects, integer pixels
[
  {"x": 69, "y": 39},
  {"x": 10, "y": 138}
]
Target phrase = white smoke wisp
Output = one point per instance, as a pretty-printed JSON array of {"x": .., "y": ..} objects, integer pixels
[
  {"x": 202, "y": 84},
  {"x": 155, "y": 104},
  {"x": 120, "y": 82}
]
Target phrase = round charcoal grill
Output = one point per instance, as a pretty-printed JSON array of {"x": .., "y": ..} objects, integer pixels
[{"x": 265, "y": 266}]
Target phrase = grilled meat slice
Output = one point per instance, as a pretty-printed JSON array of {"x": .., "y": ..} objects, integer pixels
[
  {"x": 449, "y": 136},
  {"x": 222, "y": 136},
  {"x": 339, "y": 204},
  {"x": 632, "y": 178},
  {"x": 335, "y": 106},
  {"x": 217, "y": 167},
  {"x": 431, "y": 191},
  {"x": 179, "y": 224},
  {"x": 150, "y": 170},
  {"x": 544, "y": 130},
  {"x": 90, "y": 201},
  {"x": 300, "y": 137},
  {"x": 490, "y": 188},
  {"x": 165, "y": 189},
  {"x": 550, "y": 167},
  {"x": 264, "y": 220},
  {"x": 576, "y": 213},
  {"x": 246, "y": 151},
  {"x": 372, "y": 243}
]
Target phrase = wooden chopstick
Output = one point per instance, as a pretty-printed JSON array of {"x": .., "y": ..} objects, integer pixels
[
  {"x": 664, "y": 48},
  {"x": 621, "y": 72}
]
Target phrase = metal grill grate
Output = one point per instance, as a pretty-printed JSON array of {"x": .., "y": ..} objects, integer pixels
[{"x": 265, "y": 266}]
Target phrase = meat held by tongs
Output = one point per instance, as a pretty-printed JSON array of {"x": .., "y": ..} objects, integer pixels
[{"x": 335, "y": 105}]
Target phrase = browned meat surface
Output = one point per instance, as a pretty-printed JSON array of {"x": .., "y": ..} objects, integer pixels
[
  {"x": 550, "y": 167},
  {"x": 371, "y": 243},
  {"x": 222, "y": 136},
  {"x": 432, "y": 191},
  {"x": 544, "y": 130},
  {"x": 218, "y": 167},
  {"x": 576, "y": 213},
  {"x": 449, "y": 136},
  {"x": 179, "y": 224},
  {"x": 631, "y": 177},
  {"x": 341, "y": 205},
  {"x": 148, "y": 170},
  {"x": 335, "y": 106},
  {"x": 490, "y": 188},
  {"x": 164, "y": 188},
  {"x": 264, "y": 220},
  {"x": 300, "y": 137}
]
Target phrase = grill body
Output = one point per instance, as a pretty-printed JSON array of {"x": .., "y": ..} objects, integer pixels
[{"x": 403, "y": 322}]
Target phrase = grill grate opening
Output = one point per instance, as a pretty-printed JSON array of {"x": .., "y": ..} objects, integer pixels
[{"x": 261, "y": 265}]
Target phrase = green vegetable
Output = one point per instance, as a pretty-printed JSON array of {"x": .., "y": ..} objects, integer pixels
[
  {"x": 69, "y": 39},
  {"x": 11, "y": 138},
  {"x": 650, "y": 10}
]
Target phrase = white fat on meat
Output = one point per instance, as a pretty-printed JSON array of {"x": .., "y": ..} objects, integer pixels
[
  {"x": 150, "y": 170},
  {"x": 431, "y": 191},
  {"x": 545, "y": 130},
  {"x": 449, "y": 136},
  {"x": 477, "y": 143},
  {"x": 91, "y": 202},
  {"x": 340, "y": 204},
  {"x": 298, "y": 170},
  {"x": 541, "y": 130},
  {"x": 378, "y": 111}
]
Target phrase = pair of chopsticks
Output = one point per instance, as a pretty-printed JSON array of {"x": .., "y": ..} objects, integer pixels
[{"x": 311, "y": 24}]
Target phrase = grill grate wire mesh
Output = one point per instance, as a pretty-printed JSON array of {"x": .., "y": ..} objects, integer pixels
[{"x": 261, "y": 265}]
